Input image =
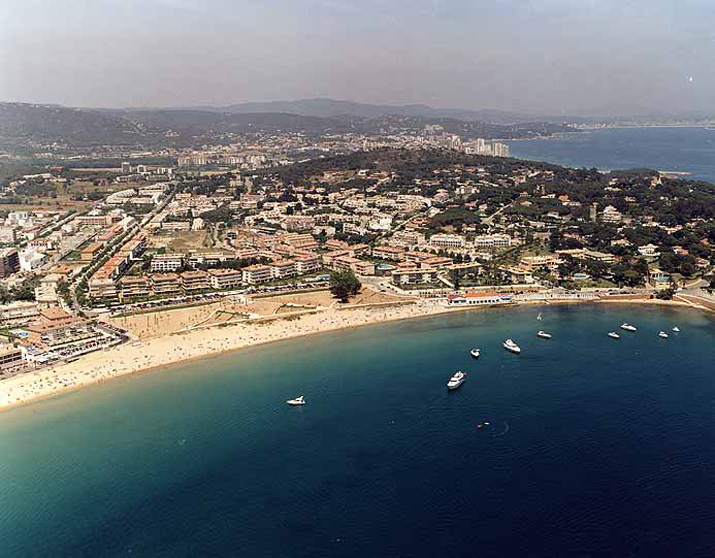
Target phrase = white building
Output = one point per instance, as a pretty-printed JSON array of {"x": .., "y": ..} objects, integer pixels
[
  {"x": 611, "y": 215},
  {"x": 492, "y": 241},
  {"x": 165, "y": 263},
  {"x": 649, "y": 250},
  {"x": 46, "y": 290},
  {"x": 31, "y": 259},
  {"x": 452, "y": 241}
]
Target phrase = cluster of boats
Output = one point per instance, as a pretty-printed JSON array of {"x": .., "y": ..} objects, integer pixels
[
  {"x": 628, "y": 327},
  {"x": 510, "y": 345}
]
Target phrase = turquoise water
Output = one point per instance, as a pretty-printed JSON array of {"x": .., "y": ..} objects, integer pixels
[
  {"x": 689, "y": 150},
  {"x": 595, "y": 447}
]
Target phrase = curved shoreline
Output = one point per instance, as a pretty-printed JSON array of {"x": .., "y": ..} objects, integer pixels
[{"x": 154, "y": 354}]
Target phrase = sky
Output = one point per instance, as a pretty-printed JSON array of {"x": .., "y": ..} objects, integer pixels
[{"x": 548, "y": 57}]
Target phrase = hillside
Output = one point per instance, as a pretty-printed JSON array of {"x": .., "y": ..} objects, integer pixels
[{"x": 25, "y": 125}]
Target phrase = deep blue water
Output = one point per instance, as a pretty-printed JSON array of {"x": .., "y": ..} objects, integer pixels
[
  {"x": 668, "y": 149},
  {"x": 595, "y": 448}
]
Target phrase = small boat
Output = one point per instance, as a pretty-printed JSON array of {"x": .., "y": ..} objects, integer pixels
[
  {"x": 614, "y": 335},
  {"x": 509, "y": 345},
  {"x": 663, "y": 334},
  {"x": 628, "y": 327},
  {"x": 676, "y": 329},
  {"x": 543, "y": 334},
  {"x": 297, "y": 401},
  {"x": 474, "y": 353},
  {"x": 538, "y": 318},
  {"x": 457, "y": 380},
  {"x": 482, "y": 424}
]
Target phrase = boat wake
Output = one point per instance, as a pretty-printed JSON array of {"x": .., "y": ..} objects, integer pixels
[{"x": 503, "y": 432}]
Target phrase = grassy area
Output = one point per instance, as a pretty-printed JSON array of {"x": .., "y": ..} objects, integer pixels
[
  {"x": 182, "y": 241},
  {"x": 589, "y": 284}
]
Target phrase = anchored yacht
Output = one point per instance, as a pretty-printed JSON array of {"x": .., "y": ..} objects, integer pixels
[
  {"x": 474, "y": 353},
  {"x": 297, "y": 401},
  {"x": 614, "y": 335},
  {"x": 457, "y": 380},
  {"x": 663, "y": 334},
  {"x": 509, "y": 345},
  {"x": 543, "y": 334},
  {"x": 628, "y": 327}
]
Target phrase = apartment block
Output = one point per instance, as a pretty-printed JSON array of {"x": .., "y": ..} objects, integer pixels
[
  {"x": 388, "y": 253},
  {"x": 258, "y": 273},
  {"x": 283, "y": 268},
  {"x": 166, "y": 263},
  {"x": 134, "y": 287},
  {"x": 223, "y": 279},
  {"x": 450, "y": 241},
  {"x": 193, "y": 281},
  {"x": 165, "y": 284}
]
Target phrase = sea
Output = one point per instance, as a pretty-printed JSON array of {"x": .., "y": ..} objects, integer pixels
[
  {"x": 588, "y": 446},
  {"x": 682, "y": 150}
]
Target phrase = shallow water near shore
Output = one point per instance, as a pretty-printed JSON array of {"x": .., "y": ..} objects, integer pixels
[{"x": 594, "y": 447}]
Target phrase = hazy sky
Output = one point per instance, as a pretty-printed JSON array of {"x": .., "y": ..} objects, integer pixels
[{"x": 539, "y": 56}]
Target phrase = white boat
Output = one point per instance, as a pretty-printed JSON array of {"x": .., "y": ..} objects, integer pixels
[
  {"x": 538, "y": 318},
  {"x": 663, "y": 334},
  {"x": 297, "y": 401},
  {"x": 509, "y": 345},
  {"x": 543, "y": 334},
  {"x": 614, "y": 335},
  {"x": 676, "y": 329},
  {"x": 628, "y": 327},
  {"x": 457, "y": 380},
  {"x": 474, "y": 353}
]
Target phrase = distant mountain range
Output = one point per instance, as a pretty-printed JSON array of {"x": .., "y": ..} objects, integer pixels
[
  {"x": 23, "y": 124},
  {"x": 327, "y": 108}
]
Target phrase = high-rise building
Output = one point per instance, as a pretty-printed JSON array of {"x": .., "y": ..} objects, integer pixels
[
  {"x": 501, "y": 150},
  {"x": 9, "y": 262}
]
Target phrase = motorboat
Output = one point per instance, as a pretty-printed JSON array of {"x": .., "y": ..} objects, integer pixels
[
  {"x": 474, "y": 353},
  {"x": 543, "y": 334},
  {"x": 457, "y": 380},
  {"x": 628, "y": 327},
  {"x": 663, "y": 334},
  {"x": 509, "y": 345},
  {"x": 614, "y": 335},
  {"x": 676, "y": 329},
  {"x": 297, "y": 401}
]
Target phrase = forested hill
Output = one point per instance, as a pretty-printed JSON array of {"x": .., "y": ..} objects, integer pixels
[
  {"x": 633, "y": 192},
  {"x": 25, "y": 123}
]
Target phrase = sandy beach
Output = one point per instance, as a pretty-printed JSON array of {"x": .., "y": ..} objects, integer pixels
[
  {"x": 170, "y": 349},
  {"x": 201, "y": 342}
]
